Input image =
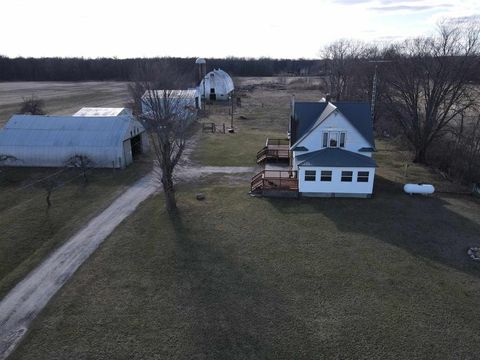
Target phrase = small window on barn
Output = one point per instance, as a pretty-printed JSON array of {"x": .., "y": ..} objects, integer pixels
[
  {"x": 325, "y": 139},
  {"x": 347, "y": 176},
  {"x": 310, "y": 175},
  {"x": 342, "y": 139},
  {"x": 362, "y": 176},
  {"x": 325, "y": 175}
]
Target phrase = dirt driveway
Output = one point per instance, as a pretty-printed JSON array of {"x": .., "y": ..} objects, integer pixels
[{"x": 25, "y": 301}]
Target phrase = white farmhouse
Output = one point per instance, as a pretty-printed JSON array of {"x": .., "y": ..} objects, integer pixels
[
  {"x": 329, "y": 153},
  {"x": 49, "y": 141},
  {"x": 216, "y": 85}
]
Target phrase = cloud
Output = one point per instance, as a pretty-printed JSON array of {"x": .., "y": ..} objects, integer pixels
[{"x": 410, "y": 7}]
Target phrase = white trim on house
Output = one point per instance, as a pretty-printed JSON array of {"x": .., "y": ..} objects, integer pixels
[{"x": 335, "y": 187}]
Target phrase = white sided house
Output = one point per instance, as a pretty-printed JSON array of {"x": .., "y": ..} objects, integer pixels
[
  {"x": 216, "y": 85},
  {"x": 100, "y": 111},
  {"x": 183, "y": 102},
  {"x": 49, "y": 141},
  {"x": 329, "y": 152}
]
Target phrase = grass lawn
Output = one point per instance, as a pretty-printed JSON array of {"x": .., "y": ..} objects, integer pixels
[
  {"x": 29, "y": 232},
  {"x": 264, "y": 113},
  {"x": 241, "y": 277}
]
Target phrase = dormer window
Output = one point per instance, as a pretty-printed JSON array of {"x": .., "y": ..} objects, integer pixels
[{"x": 334, "y": 139}]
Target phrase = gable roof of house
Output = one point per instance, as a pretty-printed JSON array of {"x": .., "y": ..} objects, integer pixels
[
  {"x": 308, "y": 115},
  {"x": 335, "y": 157}
]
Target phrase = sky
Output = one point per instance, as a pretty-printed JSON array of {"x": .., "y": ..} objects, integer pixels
[{"x": 212, "y": 28}]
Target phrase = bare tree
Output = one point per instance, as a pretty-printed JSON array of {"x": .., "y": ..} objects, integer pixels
[
  {"x": 346, "y": 65},
  {"x": 32, "y": 106},
  {"x": 81, "y": 162},
  {"x": 427, "y": 83},
  {"x": 154, "y": 76},
  {"x": 167, "y": 121}
]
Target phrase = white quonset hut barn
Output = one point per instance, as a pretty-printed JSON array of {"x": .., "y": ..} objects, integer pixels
[
  {"x": 100, "y": 111},
  {"x": 216, "y": 85},
  {"x": 49, "y": 141}
]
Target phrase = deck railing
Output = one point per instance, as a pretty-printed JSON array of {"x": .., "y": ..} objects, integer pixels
[
  {"x": 278, "y": 142},
  {"x": 285, "y": 180}
]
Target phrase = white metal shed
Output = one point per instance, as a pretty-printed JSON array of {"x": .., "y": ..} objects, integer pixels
[
  {"x": 101, "y": 111},
  {"x": 49, "y": 141}
]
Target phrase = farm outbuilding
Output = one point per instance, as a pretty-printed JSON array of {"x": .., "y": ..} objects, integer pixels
[
  {"x": 216, "y": 85},
  {"x": 182, "y": 102},
  {"x": 49, "y": 141},
  {"x": 101, "y": 111}
]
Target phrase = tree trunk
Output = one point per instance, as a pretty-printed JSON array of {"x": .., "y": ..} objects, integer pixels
[
  {"x": 49, "y": 203},
  {"x": 420, "y": 156},
  {"x": 169, "y": 190}
]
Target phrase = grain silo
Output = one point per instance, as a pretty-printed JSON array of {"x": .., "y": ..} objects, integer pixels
[{"x": 200, "y": 70}]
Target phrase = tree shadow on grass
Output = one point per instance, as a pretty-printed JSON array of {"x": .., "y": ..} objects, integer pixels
[
  {"x": 422, "y": 225},
  {"x": 232, "y": 314}
]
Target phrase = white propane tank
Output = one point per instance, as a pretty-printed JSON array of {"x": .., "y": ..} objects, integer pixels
[{"x": 419, "y": 189}]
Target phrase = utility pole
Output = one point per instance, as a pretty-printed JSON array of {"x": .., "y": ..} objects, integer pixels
[{"x": 231, "y": 98}]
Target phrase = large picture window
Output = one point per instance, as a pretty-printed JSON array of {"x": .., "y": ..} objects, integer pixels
[
  {"x": 310, "y": 175},
  {"x": 347, "y": 176},
  {"x": 362, "y": 176},
  {"x": 326, "y": 175}
]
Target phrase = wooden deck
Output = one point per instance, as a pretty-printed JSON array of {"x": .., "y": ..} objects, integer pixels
[
  {"x": 274, "y": 149},
  {"x": 275, "y": 180}
]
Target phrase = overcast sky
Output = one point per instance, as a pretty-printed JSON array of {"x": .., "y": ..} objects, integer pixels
[{"x": 252, "y": 28}]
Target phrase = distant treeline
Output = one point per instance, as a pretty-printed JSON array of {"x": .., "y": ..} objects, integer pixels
[{"x": 80, "y": 69}]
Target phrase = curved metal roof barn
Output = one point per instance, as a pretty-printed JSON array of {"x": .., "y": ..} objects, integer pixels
[
  {"x": 49, "y": 141},
  {"x": 217, "y": 85}
]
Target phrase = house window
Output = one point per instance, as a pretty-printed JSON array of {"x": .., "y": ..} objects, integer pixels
[
  {"x": 347, "y": 176},
  {"x": 325, "y": 175},
  {"x": 333, "y": 141},
  {"x": 310, "y": 175},
  {"x": 342, "y": 139},
  {"x": 325, "y": 139},
  {"x": 362, "y": 176}
]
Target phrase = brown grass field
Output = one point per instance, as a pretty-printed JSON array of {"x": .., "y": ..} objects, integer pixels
[
  {"x": 61, "y": 98},
  {"x": 240, "y": 277}
]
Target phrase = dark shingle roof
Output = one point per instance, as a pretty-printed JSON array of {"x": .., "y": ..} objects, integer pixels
[
  {"x": 357, "y": 113},
  {"x": 334, "y": 157},
  {"x": 306, "y": 113},
  {"x": 300, "y": 148}
]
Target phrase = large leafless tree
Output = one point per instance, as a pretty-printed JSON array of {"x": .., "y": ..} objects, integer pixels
[
  {"x": 348, "y": 71},
  {"x": 166, "y": 118},
  {"x": 167, "y": 122},
  {"x": 427, "y": 83}
]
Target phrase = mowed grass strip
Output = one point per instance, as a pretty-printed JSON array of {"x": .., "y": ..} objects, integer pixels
[
  {"x": 30, "y": 232},
  {"x": 241, "y": 277}
]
